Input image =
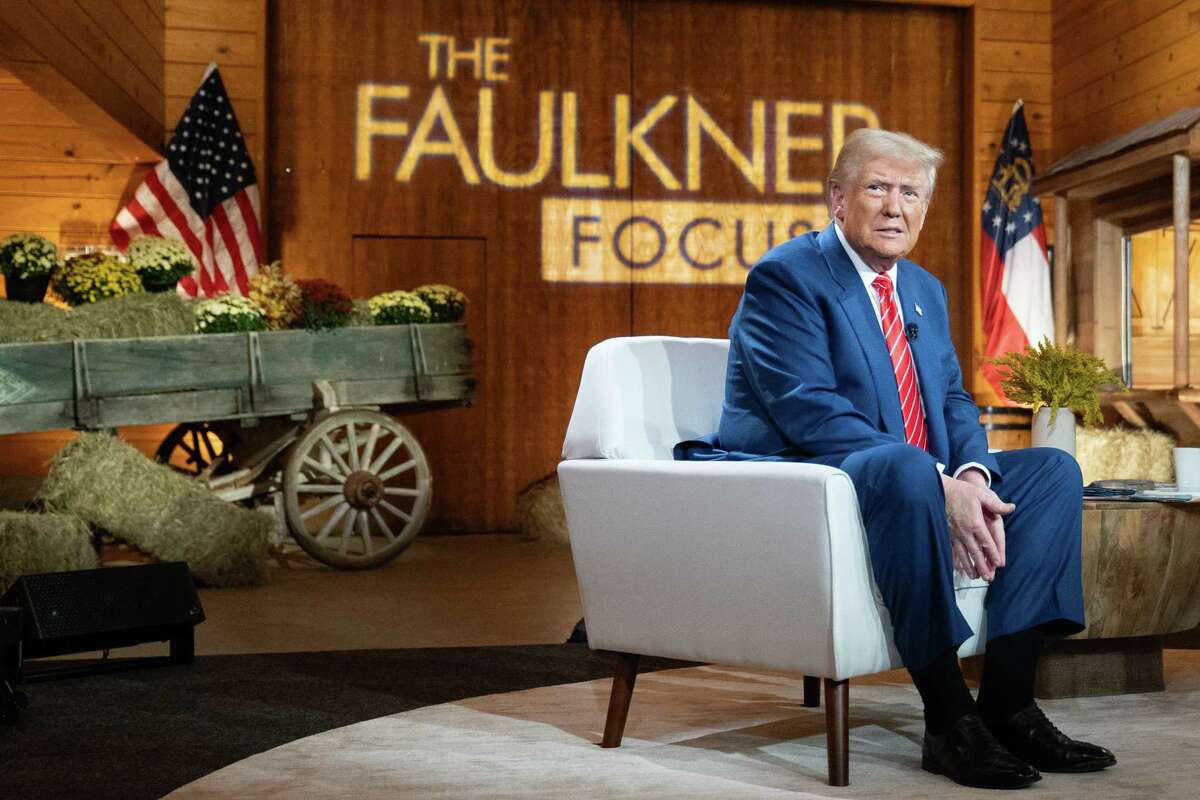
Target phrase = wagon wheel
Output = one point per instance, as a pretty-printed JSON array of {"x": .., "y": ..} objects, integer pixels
[
  {"x": 356, "y": 489},
  {"x": 193, "y": 447}
]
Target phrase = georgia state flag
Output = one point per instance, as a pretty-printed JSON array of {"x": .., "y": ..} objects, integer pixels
[{"x": 1014, "y": 270}]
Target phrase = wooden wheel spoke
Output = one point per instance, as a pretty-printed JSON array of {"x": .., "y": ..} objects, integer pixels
[
  {"x": 330, "y": 523},
  {"x": 322, "y": 506},
  {"x": 207, "y": 437},
  {"x": 364, "y": 530},
  {"x": 335, "y": 454},
  {"x": 401, "y": 514},
  {"x": 197, "y": 450},
  {"x": 400, "y": 492},
  {"x": 318, "y": 488},
  {"x": 319, "y": 467},
  {"x": 347, "y": 531},
  {"x": 396, "y": 470},
  {"x": 352, "y": 441},
  {"x": 386, "y": 454},
  {"x": 382, "y": 523},
  {"x": 369, "y": 447}
]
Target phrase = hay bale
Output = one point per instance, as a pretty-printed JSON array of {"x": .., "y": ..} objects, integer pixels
[
  {"x": 133, "y": 316},
  {"x": 111, "y": 485},
  {"x": 32, "y": 322},
  {"x": 540, "y": 513},
  {"x": 126, "y": 317},
  {"x": 33, "y": 543},
  {"x": 1124, "y": 454}
]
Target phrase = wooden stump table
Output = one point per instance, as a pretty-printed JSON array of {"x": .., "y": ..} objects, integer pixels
[{"x": 1141, "y": 581}]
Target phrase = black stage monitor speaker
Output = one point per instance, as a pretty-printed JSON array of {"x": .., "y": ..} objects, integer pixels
[{"x": 101, "y": 609}]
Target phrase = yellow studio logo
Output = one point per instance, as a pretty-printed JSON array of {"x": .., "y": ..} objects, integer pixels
[
  {"x": 685, "y": 237},
  {"x": 1013, "y": 182}
]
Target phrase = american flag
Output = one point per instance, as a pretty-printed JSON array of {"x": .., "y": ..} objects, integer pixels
[
  {"x": 204, "y": 194},
  {"x": 1014, "y": 270}
]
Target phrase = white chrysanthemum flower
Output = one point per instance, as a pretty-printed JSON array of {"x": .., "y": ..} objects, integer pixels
[
  {"x": 26, "y": 255},
  {"x": 227, "y": 314}
]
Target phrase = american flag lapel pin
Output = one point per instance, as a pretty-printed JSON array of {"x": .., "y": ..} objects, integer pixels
[{"x": 917, "y": 307}]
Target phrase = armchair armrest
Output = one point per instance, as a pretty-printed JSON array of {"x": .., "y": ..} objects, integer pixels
[{"x": 752, "y": 563}]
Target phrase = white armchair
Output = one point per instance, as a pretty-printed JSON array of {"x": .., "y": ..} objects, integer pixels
[{"x": 757, "y": 564}]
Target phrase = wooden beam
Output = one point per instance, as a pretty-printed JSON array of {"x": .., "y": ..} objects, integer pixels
[
  {"x": 1136, "y": 201},
  {"x": 1182, "y": 173},
  {"x": 1109, "y": 324},
  {"x": 1076, "y": 181},
  {"x": 76, "y": 81},
  {"x": 1130, "y": 414},
  {"x": 1062, "y": 267},
  {"x": 1192, "y": 412}
]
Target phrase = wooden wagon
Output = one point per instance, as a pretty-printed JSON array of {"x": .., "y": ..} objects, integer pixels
[{"x": 290, "y": 418}]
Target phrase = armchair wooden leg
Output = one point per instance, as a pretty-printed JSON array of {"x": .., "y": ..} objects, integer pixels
[
  {"x": 837, "y": 730},
  {"x": 624, "y": 676},
  {"x": 812, "y": 692}
]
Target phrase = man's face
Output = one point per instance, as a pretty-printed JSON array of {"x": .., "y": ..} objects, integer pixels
[{"x": 882, "y": 210}]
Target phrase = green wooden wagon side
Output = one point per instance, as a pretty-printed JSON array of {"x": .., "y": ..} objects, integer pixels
[{"x": 289, "y": 417}]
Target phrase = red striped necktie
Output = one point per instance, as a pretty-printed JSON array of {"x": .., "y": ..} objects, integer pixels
[{"x": 902, "y": 363}]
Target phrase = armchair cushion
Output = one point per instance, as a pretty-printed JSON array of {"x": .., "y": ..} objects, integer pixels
[{"x": 639, "y": 396}]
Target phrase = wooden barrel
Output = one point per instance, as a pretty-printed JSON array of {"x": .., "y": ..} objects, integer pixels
[{"x": 1007, "y": 428}]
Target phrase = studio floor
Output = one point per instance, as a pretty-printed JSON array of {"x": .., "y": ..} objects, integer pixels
[
  {"x": 443, "y": 591},
  {"x": 695, "y": 732}
]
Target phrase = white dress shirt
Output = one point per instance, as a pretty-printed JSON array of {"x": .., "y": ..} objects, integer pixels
[{"x": 868, "y": 276}]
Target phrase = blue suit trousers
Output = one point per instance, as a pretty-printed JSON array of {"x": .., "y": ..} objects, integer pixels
[{"x": 903, "y": 508}]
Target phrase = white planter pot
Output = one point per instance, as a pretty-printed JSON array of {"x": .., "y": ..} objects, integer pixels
[{"x": 1061, "y": 434}]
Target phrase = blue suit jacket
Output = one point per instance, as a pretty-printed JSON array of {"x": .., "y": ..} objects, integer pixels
[{"x": 809, "y": 377}]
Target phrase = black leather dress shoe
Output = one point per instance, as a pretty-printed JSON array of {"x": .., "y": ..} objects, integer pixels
[
  {"x": 1030, "y": 736},
  {"x": 969, "y": 754}
]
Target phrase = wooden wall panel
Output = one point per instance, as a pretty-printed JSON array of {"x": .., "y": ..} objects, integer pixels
[
  {"x": 1119, "y": 65},
  {"x": 533, "y": 333},
  {"x": 53, "y": 172},
  {"x": 95, "y": 64}
]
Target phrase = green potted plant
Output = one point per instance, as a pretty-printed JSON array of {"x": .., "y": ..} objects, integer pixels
[
  {"x": 1057, "y": 383},
  {"x": 27, "y": 261},
  {"x": 446, "y": 303},
  {"x": 95, "y": 276},
  {"x": 159, "y": 262},
  {"x": 323, "y": 305},
  {"x": 399, "y": 308}
]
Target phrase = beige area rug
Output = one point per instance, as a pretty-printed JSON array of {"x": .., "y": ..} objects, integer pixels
[{"x": 703, "y": 732}]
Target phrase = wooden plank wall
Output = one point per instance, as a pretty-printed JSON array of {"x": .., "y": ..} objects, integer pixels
[
  {"x": 59, "y": 180},
  {"x": 57, "y": 177},
  {"x": 98, "y": 61},
  {"x": 1012, "y": 59},
  {"x": 442, "y": 221},
  {"x": 1119, "y": 64}
]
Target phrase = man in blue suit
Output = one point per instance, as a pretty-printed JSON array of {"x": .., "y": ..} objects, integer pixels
[{"x": 840, "y": 354}]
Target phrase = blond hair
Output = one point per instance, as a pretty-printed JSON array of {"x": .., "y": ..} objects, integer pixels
[{"x": 864, "y": 144}]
